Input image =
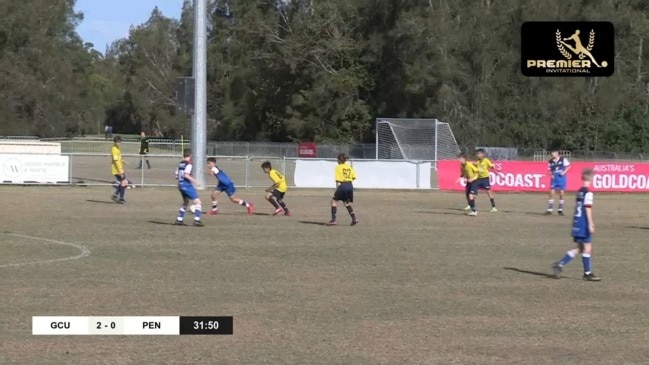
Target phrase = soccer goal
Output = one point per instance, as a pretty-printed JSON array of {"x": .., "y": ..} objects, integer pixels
[{"x": 414, "y": 139}]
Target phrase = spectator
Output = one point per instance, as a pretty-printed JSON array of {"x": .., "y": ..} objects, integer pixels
[{"x": 144, "y": 150}]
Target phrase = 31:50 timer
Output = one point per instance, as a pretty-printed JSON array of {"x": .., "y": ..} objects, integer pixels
[{"x": 206, "y": 325}]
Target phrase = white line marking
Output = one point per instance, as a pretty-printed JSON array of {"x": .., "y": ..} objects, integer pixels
[{"x": 85, "y": 252}]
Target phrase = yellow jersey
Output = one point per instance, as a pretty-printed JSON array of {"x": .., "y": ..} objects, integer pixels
[
  {"x": 345, "y": 173},
  {"x": 116, "y": 160},
  {"x": 469, "y": 171},
  {"x": 279, "y": 180},
  {"x": 483, "y": 168}
]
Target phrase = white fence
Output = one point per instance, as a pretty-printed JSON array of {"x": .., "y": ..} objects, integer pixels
[{"x": 246, "y": 172}]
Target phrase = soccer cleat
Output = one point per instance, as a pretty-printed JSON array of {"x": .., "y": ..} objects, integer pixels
[
  {"x": 473, "y": 213},
  {"x": 556, "y": 270},
  {"x": 278, "y": 211},
  {"x": 354, "y": 222},
  {"x": 198, "y": 224},
  {"x": 332, "y": 223},
  {"x": 493, "y": 210},
  {"x": 287, "y": 214},
  {"x": 591, "y": 277},
  {"x": 122, "y": 201},
  {"x": 215, "y": 211},
  {"x": 115, "y": 198},
  {"x": 468, "y": 207},
  {"x": 251, "y": 209},
  {"x": 179, "y": 223},
  {"x": 560, "y": 212}
]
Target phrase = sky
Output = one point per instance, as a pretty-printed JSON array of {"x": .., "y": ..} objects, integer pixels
[{"x": 108, "y": 20}]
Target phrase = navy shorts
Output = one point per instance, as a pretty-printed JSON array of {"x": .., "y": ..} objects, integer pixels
[
  {"x": 583, "y": 240},
  {"x": 188, "y": 192},
  {"x": 344, "y": 193},
  {"x": 482, "y": 184},
  {"x": 119, "y": 178},
  {"x": 470, "y": 188},
  {"x": 229, "y": 189}
]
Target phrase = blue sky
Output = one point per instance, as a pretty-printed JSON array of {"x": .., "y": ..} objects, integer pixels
[{"x": 108, "y": 20}]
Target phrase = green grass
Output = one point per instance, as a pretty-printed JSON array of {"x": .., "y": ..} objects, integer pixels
[{"x": 417, "y": 282}]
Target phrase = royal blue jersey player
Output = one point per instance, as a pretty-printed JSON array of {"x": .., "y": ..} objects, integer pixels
[
  {"x": 583, "y": 228},
  {"x": 558, "y": 167},
  {"x": 225, "y": 185},
  {"x": 186, "y": 187}
]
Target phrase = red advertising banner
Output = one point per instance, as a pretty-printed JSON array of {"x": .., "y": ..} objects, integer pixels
[
  {"x": 533, "y": 176},
  {"x": 307, "y": 149}
]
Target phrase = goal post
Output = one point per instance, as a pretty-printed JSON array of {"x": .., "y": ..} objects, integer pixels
[{"x": 414, "y": 139}]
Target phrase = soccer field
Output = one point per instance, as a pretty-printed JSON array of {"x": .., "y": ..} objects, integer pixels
[{"x": 416, "y": 282}]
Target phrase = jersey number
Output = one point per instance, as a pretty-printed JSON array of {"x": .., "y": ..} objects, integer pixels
[
  {"x": 579, "y": 210},
  {"x": 280, "y": 176},
  {"x": 347, "y": 173}
]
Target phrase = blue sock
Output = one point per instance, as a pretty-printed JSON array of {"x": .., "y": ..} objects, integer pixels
[
  {"x": 181, "y": 213},
  {"x": 585, "y": 258},
  {"x": 561, "y": 204},
  {"x": 551, "y": 204},
  {"x": 122, "y": 190},
  {"x": 197, "y": 214},
  {"x": 117, "y": 189},
  {"x": 567, "y": 258}
]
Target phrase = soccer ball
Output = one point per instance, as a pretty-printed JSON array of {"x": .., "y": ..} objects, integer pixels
[{"x": 192, "y": 209}]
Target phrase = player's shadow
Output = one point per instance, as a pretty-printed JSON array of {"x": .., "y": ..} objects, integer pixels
[
  {"x": 637, "y": 227},
  {"x": 524, "y": 212},
  {"x": 458, "y": 213},
  {"x": 261, "y": 214},
  {"x": 535, "y": 273},
  {"x": 313, "y": 223},
  {"x": 101, "y": 201},
  {"x": 161, "y": 223}
]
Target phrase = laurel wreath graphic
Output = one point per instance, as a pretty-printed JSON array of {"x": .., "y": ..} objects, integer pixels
[
  {"x": 591, "y": 43},
  {"x": 563, "y": 51}
]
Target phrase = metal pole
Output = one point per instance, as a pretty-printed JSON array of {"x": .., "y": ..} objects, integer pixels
[
  {"x": 199, "y": 119},
  {"x": 376, "y": 138},
  {"x": 436, "y": 146}
]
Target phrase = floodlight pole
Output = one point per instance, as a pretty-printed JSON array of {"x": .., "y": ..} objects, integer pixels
[{"x": 199, "y": 118}]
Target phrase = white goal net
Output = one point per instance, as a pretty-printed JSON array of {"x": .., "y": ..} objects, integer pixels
[{"x": 415, "y": 139}]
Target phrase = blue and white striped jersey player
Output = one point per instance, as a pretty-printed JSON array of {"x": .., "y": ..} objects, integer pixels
[
  {"x": 558, "y": 167},
  {"x": 583, "y": 228},
  {"x": 225, "y": 185},
  {"x": 186, "y": 187}
]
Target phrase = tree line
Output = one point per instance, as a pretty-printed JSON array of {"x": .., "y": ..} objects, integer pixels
[{"x": 305, "y": 70}]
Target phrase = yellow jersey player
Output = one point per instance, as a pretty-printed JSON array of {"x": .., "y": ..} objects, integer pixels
[
  {"x": 345, "y": 176},
  {"x": 469, "y": 172},
  {"x": 484, "y": 165},
  {"x": 117, "y": 166},
  {"x": 275, "y": 193}
]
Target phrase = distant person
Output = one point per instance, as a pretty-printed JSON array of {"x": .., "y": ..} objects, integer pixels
[
  {"x": 144, "y": 150},
  {"x": 117, "y": 166},
  {"x": 106, "y": 132},
  {"x": 469, "y": 172},
  {"x": 484, "y": 165},
  {"x": 226, "y": 185},
  {"x": 558, "y": 166},
  {"x": 276, "y": 192},
  {"x": 345, "y": 176},
  {"x": 110, "y": 131},
  {"x": 583, "y": 228},
  {"x": 187, "y": 191}
]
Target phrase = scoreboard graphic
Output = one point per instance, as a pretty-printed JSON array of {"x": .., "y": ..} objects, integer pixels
[{"x": 132, "y": 326}]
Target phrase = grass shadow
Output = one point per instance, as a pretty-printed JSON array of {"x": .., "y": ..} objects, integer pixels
[
  {"x": 262, "y": 214},
  {"x": 93, "y": 180},
  {"x": 162, "y": 223},
  {"x": 528, "y": 213},
  {"x": 101, "y": 201},
  {"x": 443, "y": 213},
  {"x": 313, "y": 223}
]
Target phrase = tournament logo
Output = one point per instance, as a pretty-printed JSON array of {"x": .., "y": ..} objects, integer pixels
[
  {"x": 13, "y": 168},
  {"x": 567, "y": 49}
]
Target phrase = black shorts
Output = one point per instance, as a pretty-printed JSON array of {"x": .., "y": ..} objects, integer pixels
[
  {"x": 471, "y": 188},
  {"x": 278, "y": 194},
  {"x": 119, "y": 178},
  {"x": 344, "y": 193}
]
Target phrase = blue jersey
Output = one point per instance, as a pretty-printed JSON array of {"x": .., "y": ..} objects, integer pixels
[
  {"x": 184, "y": 167},
  {"x": 224, "y": 179},
  {"x": 557, "y": 167},
  {"x": 580, "y": 222}
]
